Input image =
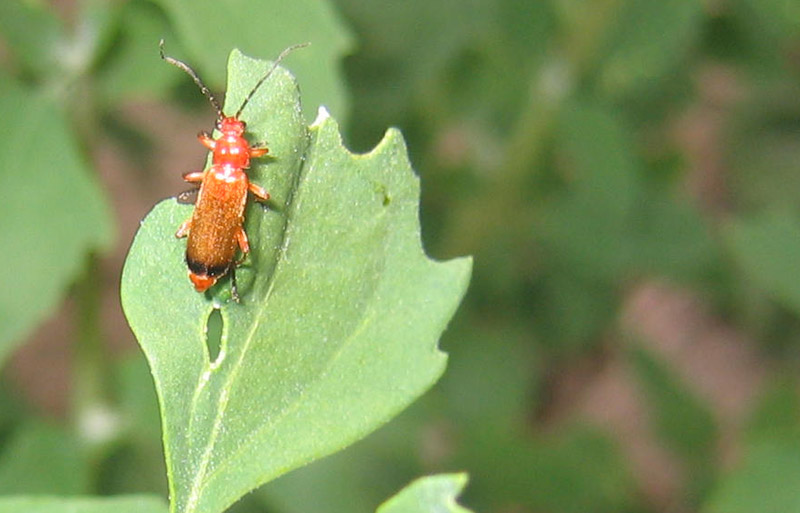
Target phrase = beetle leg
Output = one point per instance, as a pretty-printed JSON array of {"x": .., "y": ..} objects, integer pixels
[
  {"x": 258, "y": 191},
  {"x": 184, "y": 228},
  {"x": 234, "y": 288},
  {"x": 206, "y": 140},
  {"x": 241, "y": 239},
  {"x": 194, "y": 176},
  {"x": 258, "y": 151}
]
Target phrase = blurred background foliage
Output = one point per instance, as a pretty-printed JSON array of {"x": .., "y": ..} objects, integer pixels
[{"x": 626, "y": 174}]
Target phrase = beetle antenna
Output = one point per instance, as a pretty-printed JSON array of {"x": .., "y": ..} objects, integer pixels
[
  {"x": 189, "y": 71},
  {"x": 275, "y": 63}
]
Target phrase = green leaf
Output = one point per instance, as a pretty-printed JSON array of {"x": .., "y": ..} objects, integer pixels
[
  {"x": 41, "y": 459},
  {"x": 125, "y": 504},
  {"x": 411, "y": 64},
  {"x": 777, "y": 412},
  {"x": 588, "y": 227},
  {"x": 362, "y": 475},
  {"x": 33, "y": 33},
  {"x": 766, "y": 249},
  {"x": 339, "y": 483},
  {"x": 141, "y": 25},
  {"x": 763, "y": 149},
  {"x": 136, "y": 463},
  {"x": 684, "y": 422},
  {"x": 210, "y": 28},
  {"x": 575, "y": 470},
  {"x": 433, "y": 494},
  {"x": 680, "y": 418},
  {"x": 766, "y": 482},
  {"x": 340, "y": 311},
  {"x": 609, "y": 224},
  {"x": 490, "y": 377},
  {"x": 774, "y": 20},
  {"x": 649, "y": 40},
  {"x": 670, "y": 237},
  {"x": 53, "y": 211},
  {"x": 137, "y": 398}
]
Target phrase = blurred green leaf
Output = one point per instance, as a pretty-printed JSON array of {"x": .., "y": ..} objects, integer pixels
[
  {"x": 11, "y": 415},
  {"x": 684, "y": 423},
  {"x": 571, "y": 312},
  {"x": 336, "y": 484},
  {"x": 607, "y": 226},
  {"x": 33, "y": 33},
  {"x": 43, "y": 460},
  {"x": 682, "y": 420},
  {"x": 357, "y": 478},
  {"x": 124, "y": 504},
  {"x": 137, "y": 398},
  {"x": 132, "y": 467},
  {"x": 766, "y": 481},
  {"x": 647, "y": 41},
  {"x": 766, "y": 247},
  {"x": 135, "y": 464},
  {"x": 120, "y": 76},
  {"x": 431, "y": 494},
  {"x": 337, "y": 329},
  {"x": 577, "y": 470},
  {"x": 599, "y": 156},
  {"x": 53, "y": 211},
  {"x": 777, "y": 413},
  {"x": 587, "y": 228},
  {"x": 415, "y": 71},
  {"x": 670, "y": 237},
  {"x": 775, "y": 20},
  {"x": 423, "y": 436},
  {"x": 209, "y": 29},
  {"x": 490, "y": 377},
  {"x": 763, "y": 147}
]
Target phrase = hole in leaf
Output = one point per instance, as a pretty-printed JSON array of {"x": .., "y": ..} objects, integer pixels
[{"x": 214, "y": 334}]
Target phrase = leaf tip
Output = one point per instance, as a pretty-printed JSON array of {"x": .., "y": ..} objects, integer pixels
[
  {"x": 434, "y": 493},
  {"x": 322, "y": 116}
]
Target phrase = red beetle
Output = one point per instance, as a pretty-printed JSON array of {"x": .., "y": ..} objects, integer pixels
[{"x": 216, "y": 229}]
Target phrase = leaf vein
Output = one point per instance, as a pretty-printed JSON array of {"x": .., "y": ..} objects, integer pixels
[
  {"x": 261, "y": 430},
  {"x": 200, "y": 477}
]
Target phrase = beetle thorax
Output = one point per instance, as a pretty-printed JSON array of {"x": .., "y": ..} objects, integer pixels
[{"x": 231, "y": 147}]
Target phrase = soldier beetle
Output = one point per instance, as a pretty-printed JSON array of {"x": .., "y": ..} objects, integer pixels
[{"x": 215, "y": 230}]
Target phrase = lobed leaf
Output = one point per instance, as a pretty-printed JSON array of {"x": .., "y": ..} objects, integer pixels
[{"x": 340, "y": 314}]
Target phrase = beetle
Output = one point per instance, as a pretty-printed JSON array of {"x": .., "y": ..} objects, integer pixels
[{"x": 216, "y": 228}]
